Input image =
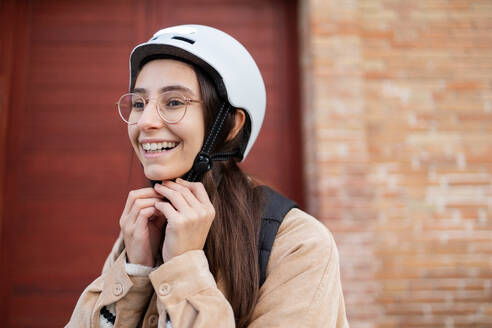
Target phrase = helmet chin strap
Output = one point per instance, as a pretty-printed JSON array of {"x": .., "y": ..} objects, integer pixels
[{"x": 204, "y": 159}]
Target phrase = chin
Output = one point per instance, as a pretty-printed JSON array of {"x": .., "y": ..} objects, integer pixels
[
  {"x": 161, "y": 174},
  {"x": 157, "y": 175}
]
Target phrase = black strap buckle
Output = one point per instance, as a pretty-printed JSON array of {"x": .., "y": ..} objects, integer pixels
[{"x": 202, "y": 163}]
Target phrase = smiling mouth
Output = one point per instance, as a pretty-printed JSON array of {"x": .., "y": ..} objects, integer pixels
[{"x": 157, "y": 147}]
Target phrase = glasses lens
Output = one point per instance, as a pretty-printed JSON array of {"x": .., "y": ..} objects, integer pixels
[
  {"x": 172, "y": 106},
  {"x": 131, "y": 107}
]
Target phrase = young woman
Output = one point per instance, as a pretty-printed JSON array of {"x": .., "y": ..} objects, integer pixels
[{"x": 189, "y": 250}]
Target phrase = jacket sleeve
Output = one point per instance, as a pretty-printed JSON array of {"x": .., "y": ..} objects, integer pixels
[
  {"x": 187, "y": 292},
  {"x": 130, "y": 294},
  {"x": 303, "y": 287}
]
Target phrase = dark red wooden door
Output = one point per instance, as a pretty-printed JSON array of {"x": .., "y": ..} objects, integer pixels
[{"x": 67, "y": 162}]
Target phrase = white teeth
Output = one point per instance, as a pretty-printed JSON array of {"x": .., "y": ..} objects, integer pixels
[{"x": 158, "y": 146}]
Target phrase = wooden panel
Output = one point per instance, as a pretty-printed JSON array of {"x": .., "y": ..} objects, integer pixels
[
  {"x": 70, "y": 166},
  {"x": 12, "y": 71}
]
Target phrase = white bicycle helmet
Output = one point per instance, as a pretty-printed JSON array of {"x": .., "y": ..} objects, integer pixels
[{"x": 229, "y": 64}]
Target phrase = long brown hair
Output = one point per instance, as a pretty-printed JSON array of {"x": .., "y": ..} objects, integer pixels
[{"x": 232, "y": 243}]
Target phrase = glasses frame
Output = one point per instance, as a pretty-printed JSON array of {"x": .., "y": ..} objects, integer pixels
[{"x": 158, "y": 108}]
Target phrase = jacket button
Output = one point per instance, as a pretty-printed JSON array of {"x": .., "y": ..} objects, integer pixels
[
  {"x": 117, "y": 289},
  {"x": 164, "y": 289},
  {"x": 153, "y": 320}
]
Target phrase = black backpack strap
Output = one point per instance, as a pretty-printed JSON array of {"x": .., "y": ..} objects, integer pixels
[{"x": 276, "y": 207}]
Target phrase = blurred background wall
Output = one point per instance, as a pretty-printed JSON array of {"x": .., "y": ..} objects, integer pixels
[
  {"x": 379, "y": 123},
  {"x": 397, "y": 119}
]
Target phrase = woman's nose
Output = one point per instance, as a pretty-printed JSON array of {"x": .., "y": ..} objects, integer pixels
[{"x": 150, "y": 118}]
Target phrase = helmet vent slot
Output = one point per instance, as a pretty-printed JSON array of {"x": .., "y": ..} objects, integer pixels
[{"x": 183, "y": 39}]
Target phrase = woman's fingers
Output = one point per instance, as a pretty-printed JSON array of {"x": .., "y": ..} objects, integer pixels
[
  {"x": 142, "y": 233},
  {"x": 188, "y": 218},
  {"x": 170, "y": 214},
  {"x": 130, "y": 218},
  {"x": 167, "y": 209},
  {"x": 174, "y": 196},
  {"x": 184, "y": 191},
  {"x": 185, "y": 202},
  {"x": 197, "y": 189},
  {"x": 141, "y": 228},
  {"x": 137, "y": 194}
]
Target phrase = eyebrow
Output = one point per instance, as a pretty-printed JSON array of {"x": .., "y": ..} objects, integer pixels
[{"x": 167, "y": 88}]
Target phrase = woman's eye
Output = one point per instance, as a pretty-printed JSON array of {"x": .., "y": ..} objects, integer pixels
[
  {"x": 174, "y": 103},
  {"x": 138, "y": 105}
]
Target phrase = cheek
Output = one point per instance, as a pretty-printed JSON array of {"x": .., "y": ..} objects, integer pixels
[
  {"x": 132, "y": 133},
  {"x": 191, "y": 136},
  {"x": 197, "y": 136},
  {"x": 192, "y": 132}
]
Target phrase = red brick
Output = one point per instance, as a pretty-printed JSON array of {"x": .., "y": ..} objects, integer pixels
[{"x": 403, "y": 94}]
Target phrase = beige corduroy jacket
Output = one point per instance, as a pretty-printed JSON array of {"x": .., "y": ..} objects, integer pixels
[{"x": 302, "y": 288}]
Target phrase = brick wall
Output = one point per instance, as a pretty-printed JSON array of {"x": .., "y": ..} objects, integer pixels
[{"x": 397, "y": 122}]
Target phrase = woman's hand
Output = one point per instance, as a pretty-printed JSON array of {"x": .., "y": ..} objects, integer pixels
[
  {"x": 141, "y": 224},
  {"x": 189, "y": 215}
]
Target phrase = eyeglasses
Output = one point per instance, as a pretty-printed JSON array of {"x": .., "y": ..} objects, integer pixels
[{"x": 171, "y": 106}]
